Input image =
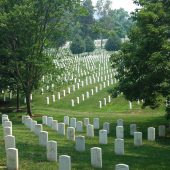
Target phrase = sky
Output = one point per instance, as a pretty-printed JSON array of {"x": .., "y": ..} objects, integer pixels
[{"x": 126, "y": 4}]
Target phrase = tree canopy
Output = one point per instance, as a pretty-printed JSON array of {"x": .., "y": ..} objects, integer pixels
[
  {"x": 143, "y": 65},
  {"x": 27, "y": 29}
]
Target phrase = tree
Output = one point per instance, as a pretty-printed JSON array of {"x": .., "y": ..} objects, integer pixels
[
  {"x": 78, "y": 45},
  {"x": 89, "y": 44},
  {"x": 28, "y": 28},
  {"x": 143, "y": 65},
  {"x": 113, "y": 43}
]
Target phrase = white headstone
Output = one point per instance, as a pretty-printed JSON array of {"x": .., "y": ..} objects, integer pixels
[
  {"x": 66, "y": 120},
  {"x": 61, "y": 128},
  {"x": 100, "y": 104},
  {"x": 73, "y": 122},
  {"x": 44, "y": 120},
  {"x": 52, "y": 150},
  {"x": 12, "y": 159},
  {"x": 48, "y": 100},
  {"x": 120, "y": 122},
  {"x": 9, "y": 142},
  {"x": 80, "y": 143},
  {"x": 79, "y": 126},
  {"x": 72, "y": 102},
  {"x": 33, "y": 125},
  {"x": 87, "y": 94},
  {"x": 7, "y": 131},
  {"x": 161, "y": 130},
  {"x": 96, "y": 123},
  {"x": 82, "y": 97},
  {"x": 43, "y": 138},
  {"x": 109, "y": 99},
  {"x": 106, "y": 126},
  {"x": 58, "y": 94},
  {"x": 104, "y": 101},
  {"x": 96, "y": 157},
  {"x": 137, "y": 138},
  {"x": 7, "y": 124},
  {"x": 53, "y": 98},
  {"x": 71, "y": 133},
  {"x": 151, "y": 134},
  {"x": 78, "y": 100},
  {"x": 86, "y": 121},
  {"x": 119, "y": 132},
  {"x": 119, "y": 146},
  {"x": 132, "y": 129},
  {"x": 49, "y": 121},
  {"x": 38, "y": 129},
  {"x": 55, "y": 125},
  {"x": 102, "y": 136},
  {"x": 130, "y": 105},
  {"x": 90, "y": 130},
  {"x": 64, "y": 162},
  {"x": 121, "y": 167}
]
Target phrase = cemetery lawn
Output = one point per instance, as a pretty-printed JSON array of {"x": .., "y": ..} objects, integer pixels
[{"x": 32, "y": 156}]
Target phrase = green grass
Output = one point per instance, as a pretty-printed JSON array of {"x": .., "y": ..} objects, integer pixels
[
  {"x": 152, "y": 155},
  {"x": 32, "y": 156}
]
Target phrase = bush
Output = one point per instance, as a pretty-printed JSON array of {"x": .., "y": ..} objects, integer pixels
[
  {"x": 89, "y": 43},
  {"x": 113, "y": 43},
  {"x": 78, "y": 45}
]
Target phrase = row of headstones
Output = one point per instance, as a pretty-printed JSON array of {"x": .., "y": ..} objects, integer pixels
[
  {"x": 65, "y": 160},
  {"x": 74, "y": 89},
  {"x": 10, "y": 145},
  {"x": 51, "y": 145},
  {"x": 96, "y": 153},
  {"x": 96, "y": 90},
  {"x": 105, "y": 101},
  {"x": 82, "y": 73},
  {"x": 89, "y": 80},
  {"x": 5, "y": 93}
]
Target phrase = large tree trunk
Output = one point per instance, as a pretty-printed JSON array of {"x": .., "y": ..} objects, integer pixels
[
  {"x": 18, "y": 99},
  {"x": 28, "y": 102}
]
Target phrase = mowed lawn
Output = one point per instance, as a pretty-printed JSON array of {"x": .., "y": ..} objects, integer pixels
[{"x": 32, "y": 156}]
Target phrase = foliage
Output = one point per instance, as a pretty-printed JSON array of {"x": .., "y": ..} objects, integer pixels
[
  {"x": 89, "y": 44},
  {"x": 27, "y": 29},
  {"x": 143, "y": 65},
  {"x": 78, "y": 45},
  {"x": 113, "y": 43}
]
